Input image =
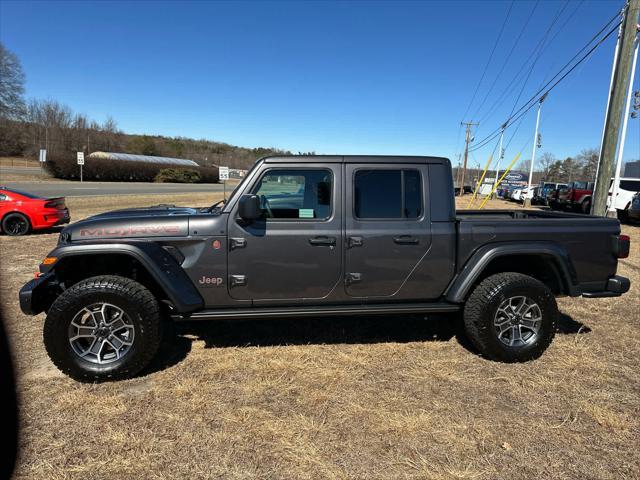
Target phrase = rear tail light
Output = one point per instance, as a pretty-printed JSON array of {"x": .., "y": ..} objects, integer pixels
[
  {"x": 52, "y": 204},
  {"x": 621, "y": 246}
]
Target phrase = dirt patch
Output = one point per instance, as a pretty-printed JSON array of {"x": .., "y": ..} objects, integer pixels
[{"x": 374, "y": 398}]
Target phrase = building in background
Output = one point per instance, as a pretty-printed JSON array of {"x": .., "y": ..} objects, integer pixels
[
  {"x": 632, "y": 169},
  {"x": 127, "y": 157}
]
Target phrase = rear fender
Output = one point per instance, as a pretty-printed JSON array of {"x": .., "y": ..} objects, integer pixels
[{"x": 462, "y": 284}]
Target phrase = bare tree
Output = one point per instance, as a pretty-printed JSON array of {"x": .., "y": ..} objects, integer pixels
[
  {"x": 12, "y": 79},
  {"x": 589, "y": 160},
  {"x": 546, "y": 161}
]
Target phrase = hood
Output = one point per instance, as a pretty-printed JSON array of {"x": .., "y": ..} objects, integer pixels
[
  {"x": 157, "y": 221},
  {"x": 155, "y": 211}
]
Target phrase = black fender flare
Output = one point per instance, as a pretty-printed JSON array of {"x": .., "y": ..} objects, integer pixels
[
  {"x": 162, "y": 267},
  {"x": 461, "y": 285}
]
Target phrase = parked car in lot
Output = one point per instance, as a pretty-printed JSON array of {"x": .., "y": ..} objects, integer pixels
[
  {"x": 515, "y": 194},
  {"x": 22, "y": 212},
  {"x": 318, "y": 236},
  {"x": 576, "y": 196},
  {"x": 541, "y": 194},
  {"x": 552, "y": 195},
  {"x": 634, "y": 209},
  {"x": 627, "y": 188}
]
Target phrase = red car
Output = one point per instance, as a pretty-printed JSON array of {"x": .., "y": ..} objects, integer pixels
[
  {"x": 575, "y": 196},
  {"x": 21, "y": 212}
]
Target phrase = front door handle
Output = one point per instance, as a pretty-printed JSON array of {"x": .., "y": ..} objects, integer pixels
[
  {"x": 323, "y": 241},
  {"x": 406, "y": 240}
]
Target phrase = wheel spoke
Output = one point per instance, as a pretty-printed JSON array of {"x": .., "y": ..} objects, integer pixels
[
  {"x": 516, "y": 334},
  {"x": 116, "y": 350},
  {"x": 90, "y": 349},
  {"x": 83, "y": 332},
  {"x": 118, "y": 324},
  {"x": 530, "y": 324}
]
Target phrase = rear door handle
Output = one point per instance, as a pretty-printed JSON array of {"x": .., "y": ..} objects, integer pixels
[
  {"x": 406, "y": 240},
  {"x": 323, "y": 241},
  {"x": 354, "y": 242}
]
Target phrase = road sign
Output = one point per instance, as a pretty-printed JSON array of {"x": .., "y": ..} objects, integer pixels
[
  {"x": 43, "y": 155},
  {"x": 223, "y": 173},
  {"x": 80, "y": 158}
]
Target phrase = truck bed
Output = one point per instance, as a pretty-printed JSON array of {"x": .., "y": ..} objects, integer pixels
[
  {"x": 587, "y": 240},
  {"x": 491, "y": 215}
]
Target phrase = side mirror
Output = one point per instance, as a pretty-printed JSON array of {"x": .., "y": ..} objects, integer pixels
[{"x": 249, "y": 207}]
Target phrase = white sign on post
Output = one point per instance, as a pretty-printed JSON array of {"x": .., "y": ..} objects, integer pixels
[
  {"x": 223, "y": 173},
  {"x": 80, "y": 158},
  {"x": 43, "y": 155}
]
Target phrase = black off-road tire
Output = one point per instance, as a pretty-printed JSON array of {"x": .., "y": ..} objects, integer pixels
[
  {"x": 482, "y": 305},
  {"x": 134, "y": 299},
  {"x": 14, "y": 220}
]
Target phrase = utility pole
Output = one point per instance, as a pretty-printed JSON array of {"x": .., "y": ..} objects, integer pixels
[
  {"x": 527, "y": 200},
  {"x": 613, "y": 116},
  {"x": 500, "y": 156},
  {"x": 466, "y": 153},
  {"x": 616, "y": 179}
]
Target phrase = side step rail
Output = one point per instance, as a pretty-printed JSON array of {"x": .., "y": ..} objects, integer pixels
[{"x": 317, "y": 311}]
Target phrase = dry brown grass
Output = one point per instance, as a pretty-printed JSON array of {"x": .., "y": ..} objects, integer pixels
[{"x": 362, "y": 398}]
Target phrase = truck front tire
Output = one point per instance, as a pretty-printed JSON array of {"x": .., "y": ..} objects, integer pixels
[
  {"x": 103, "y": 328},
  {"x": 511, "y": 317}
]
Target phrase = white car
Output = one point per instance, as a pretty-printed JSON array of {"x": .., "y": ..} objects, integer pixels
[
  {"x": 516, "y": 194},
  {"x": 520, "y": 194},
  {"x": 627, "y": 188}
]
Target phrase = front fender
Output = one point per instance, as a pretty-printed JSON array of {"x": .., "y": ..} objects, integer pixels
[
  {"x": 461, "y": 285},
  {"x": 162, "y": 267}
]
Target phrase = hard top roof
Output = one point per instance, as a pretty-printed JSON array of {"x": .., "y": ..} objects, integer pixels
[{"x": 354, "y": 159}]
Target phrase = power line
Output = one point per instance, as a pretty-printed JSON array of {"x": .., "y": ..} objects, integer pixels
[
  {"x": 504, "y": 64},
  {"x": 531, "y": 102},
  {"x": 537, "y": 52},
  {"x": 484, "y": 72},
  {"x": 535, "y": 61}
]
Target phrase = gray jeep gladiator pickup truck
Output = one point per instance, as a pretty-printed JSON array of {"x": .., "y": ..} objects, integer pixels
[{"x": 318, "y": 235}]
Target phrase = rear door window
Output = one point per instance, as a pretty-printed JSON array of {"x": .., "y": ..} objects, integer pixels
[
  {"x": 388, "y": 194},
  {"x": 631, "y": 185}
]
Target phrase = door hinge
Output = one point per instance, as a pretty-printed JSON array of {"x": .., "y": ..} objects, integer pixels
[
  {"x": 237, "y": 243},
  {"x": 352, "y": 277},
  {"x": 237, "y": 280}
]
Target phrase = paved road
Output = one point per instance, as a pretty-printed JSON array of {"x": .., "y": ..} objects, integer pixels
[
  {"x": 77, "y": 189},
  {"x": 21, "y": 170}
]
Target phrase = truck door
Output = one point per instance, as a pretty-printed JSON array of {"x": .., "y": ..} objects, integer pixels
[
  {"x": 295, "y": 251},
  {"x": 388, "y": 231}
]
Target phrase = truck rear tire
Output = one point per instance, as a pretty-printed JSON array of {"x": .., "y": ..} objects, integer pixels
[
  {"x": 511, "y": 317},
  {"x": 103, "y": 328}
]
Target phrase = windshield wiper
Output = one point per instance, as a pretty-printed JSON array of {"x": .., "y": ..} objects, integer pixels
[{"x": 214, "y": 206}]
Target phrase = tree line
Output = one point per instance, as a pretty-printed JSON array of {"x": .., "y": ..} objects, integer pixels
[{"x": 26, "y": 126}]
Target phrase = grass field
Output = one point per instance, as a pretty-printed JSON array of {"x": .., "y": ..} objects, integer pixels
[{"x": 363, "y": 398}]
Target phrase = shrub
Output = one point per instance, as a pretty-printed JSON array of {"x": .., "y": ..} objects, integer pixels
[
  {"x": 176, "y": 175},
  {"x": 104, "y": 170}
]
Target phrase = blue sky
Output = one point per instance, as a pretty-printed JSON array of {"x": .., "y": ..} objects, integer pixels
[{"x": 330, "y": 77}]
